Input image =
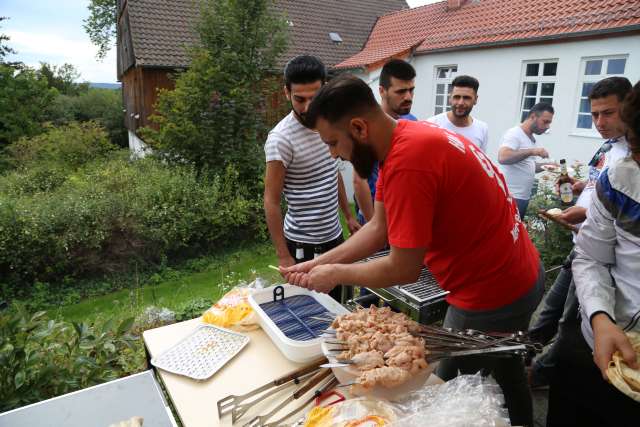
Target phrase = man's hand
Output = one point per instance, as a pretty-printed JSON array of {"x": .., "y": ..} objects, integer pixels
[
  {"x": 574, "y": 215},
  {"x": 353, "y": 225},
  {"x": 578, "y": 186},
  {"x": 293, "y": 274},
  {"x": 286, "y": 261},
  {"x": 609, "y": 338},
  {"x": 541, "y": 152}
]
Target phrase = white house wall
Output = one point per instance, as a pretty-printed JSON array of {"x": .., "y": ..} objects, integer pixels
[{"x": 499, "y": 71}]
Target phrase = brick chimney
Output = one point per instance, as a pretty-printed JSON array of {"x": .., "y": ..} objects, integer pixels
[{"x": 455, "y": 4}]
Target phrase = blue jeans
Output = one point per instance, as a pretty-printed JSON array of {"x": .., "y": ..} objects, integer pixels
[
  {"x": 522, "y": 206},
  {"x": 558, "y": 305}
]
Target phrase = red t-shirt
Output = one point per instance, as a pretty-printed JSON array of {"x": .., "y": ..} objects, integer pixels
[{"x": 440, "y": 192}]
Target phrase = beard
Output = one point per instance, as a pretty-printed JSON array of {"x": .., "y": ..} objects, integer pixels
[
  {"x": 463, "y": 114},
  {"x": 363, "y": 159},
  {"x": 302, "y": 118},
  {"x": 535, "y": 129},
  {"x": 402, "y": 109}
]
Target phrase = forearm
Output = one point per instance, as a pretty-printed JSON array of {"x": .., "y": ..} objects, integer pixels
[
  {"x": 515, "y": 156},
  {"x": 273, "y": 216},
  {"x": 378, "y": 273},
  {"x": 342, "y": 198},
  {"x": 362, "y": 195},
  {"x": 370, "y": 239}
]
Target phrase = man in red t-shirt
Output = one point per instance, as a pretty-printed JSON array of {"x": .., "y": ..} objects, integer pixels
[{"x": 440, "y": 202}]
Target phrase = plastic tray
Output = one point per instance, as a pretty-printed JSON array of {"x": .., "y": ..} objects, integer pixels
[
  {"x": 292, "y": 337},
  {"x": 202, "y": 353}
]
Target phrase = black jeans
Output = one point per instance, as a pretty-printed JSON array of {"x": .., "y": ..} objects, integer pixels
[
  {"x": 558, "y": 305},
  {"x": 509, "y": 372},
  {"x": 579, "y": 396},
  {"x": 310, "y": 250}
]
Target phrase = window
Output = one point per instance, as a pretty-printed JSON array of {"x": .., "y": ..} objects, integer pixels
[
  {"x": 538, "y": 84},
  {"x": 444, "y": 77},
  {"x": 593, "y": 70}
]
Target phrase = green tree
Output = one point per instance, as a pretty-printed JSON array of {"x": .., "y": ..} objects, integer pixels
[
  {"x": 24, "y": 99},
  {"x": 6, "y": 50},
  {"x": 63, "y": 78},
  {"x": 215, "y": 117},
  {"x": 101, "y": 25}
]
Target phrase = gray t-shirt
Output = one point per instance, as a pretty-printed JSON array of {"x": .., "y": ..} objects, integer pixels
[{"x": 310, "y": 182}]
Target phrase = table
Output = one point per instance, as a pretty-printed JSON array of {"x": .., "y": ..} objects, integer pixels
[
  {"x": 101, "y": 405},
  {"x": 196, "y": 401}
]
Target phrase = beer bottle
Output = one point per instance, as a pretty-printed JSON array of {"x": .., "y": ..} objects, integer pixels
[{"x": 565, "y": 185}]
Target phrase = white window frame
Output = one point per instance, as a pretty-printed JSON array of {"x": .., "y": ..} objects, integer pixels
[
  {"x": 592, "y": 78},
  {"x": 446, "y": 81},
  {"x": 540, "y": 79}
]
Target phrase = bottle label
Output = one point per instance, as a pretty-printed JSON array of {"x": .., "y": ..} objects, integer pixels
[
  {"x": 566, "y": 192},
  {"x": 299, "y": 253}
]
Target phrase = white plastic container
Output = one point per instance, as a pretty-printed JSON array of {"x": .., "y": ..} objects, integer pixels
[{"x": 296, "y": 351}]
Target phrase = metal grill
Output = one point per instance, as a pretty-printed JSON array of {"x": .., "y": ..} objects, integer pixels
[
  {"x": 293, "y": 316},
  {"x": 423, "y": 300}
]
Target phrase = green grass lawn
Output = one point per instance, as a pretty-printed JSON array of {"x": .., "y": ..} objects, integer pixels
[
  {"x": 239, "y": 264},
  {"x": 226, "y": 269}
]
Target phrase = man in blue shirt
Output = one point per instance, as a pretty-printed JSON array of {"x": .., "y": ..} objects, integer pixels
[{"x": 397, "y": 84}]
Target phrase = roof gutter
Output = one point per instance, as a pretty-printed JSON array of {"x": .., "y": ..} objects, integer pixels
[{"x": 554, "y": 37}]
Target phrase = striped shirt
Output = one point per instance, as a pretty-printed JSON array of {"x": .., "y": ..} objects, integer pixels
[{"x": 310, "y": 182}]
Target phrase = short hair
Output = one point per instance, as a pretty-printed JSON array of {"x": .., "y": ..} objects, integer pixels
[
  {"x": 618, "y": 86},
  {"x": 304, "y": 69},
  {"x": 540, "y": 108},
  {"x": 397, "y": 68},
  {"x": 466, "y": 81},
  {"x": 344, "y": 96},
  {"x": 630, "y": 115}
]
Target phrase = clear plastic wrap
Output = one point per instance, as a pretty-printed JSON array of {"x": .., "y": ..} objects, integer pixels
[{"x": 467, "y": 400}]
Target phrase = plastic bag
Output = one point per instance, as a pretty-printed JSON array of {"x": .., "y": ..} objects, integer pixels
[
  {"x": 467, "y": 400},
  {"x": 233, "y": 310},
  {"x": 360, "y": 412}
]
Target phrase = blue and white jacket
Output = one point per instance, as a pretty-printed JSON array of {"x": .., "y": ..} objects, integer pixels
[{"x": 606, "y": 269}]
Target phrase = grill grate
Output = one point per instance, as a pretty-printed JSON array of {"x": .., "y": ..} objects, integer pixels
[
  {"x": 292, "y": 316},
  {"x": 425, "y": 289}
]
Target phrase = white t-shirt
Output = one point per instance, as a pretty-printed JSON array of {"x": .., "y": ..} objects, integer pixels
[
  {"x": 520, "y": 175},
  {"x": 310, "y": 182},
  {"x": 477, "y": 132}
]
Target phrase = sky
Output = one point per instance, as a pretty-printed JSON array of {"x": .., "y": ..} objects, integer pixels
[{"x": 51, "y": 31}]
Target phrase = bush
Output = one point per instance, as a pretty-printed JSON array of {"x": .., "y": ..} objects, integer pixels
[
  {"x": 42, "y": 358},
  {"x": 112, "y": 213},
  {"x": 553, "y": 241},
  {"x": 103, "y": 106}
]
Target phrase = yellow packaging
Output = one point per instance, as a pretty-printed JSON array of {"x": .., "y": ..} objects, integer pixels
[{"x": 232, "y": 311}]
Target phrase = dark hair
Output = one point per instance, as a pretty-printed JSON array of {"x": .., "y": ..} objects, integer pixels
[
  {"x": 397, "y": 68},
  {"x": 540, "y": 108},
  {"x": 630, "y": 115},
  {"x": 344, "y": 96},
  {"x": 618, "y": 86},
  {"x": 466, "y": 81},
  {"x": 304, "y": 69}
]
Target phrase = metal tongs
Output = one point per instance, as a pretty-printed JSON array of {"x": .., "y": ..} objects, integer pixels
[
  {"x": 235, "y": 405},
  {"x": 260, "y": 420}
]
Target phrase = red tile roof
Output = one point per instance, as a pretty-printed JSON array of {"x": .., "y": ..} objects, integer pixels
[{"x": 491, "y": 22}]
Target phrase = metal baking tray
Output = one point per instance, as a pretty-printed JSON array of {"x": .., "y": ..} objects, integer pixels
[{"x": 202, "y": 353}]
